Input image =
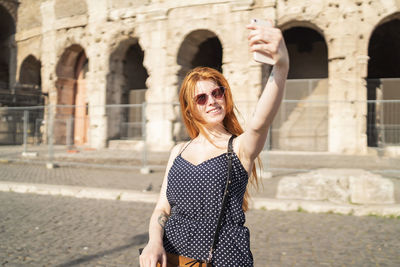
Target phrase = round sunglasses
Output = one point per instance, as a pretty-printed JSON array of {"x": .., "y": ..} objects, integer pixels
[{"x": 217, "y": 93}]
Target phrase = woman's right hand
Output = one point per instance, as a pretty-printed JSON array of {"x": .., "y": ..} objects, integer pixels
[{"x": 153, "y": 254}]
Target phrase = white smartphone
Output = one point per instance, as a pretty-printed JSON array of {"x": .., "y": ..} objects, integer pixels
[{"x": 258, "y": 56}]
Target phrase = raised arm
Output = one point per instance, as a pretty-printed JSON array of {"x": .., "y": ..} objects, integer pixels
[
  {"x": 270, "y": 40},
  {"x": 154, "y": 251}
]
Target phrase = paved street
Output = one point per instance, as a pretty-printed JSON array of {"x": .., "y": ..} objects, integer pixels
[
  {"x": 114, "y": 178},
  {"x": 60, "y": 231},
  {"x": 97, "y": 177},
  {"x": 81, "y": 176}
]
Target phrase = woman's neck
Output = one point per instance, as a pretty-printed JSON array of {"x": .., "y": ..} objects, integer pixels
[{"x": 215, "y": 133}]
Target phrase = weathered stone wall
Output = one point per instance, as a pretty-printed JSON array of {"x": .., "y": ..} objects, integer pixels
[
  {"x": 106, "y": 28},
  {"x": 29, "y": 32},
  {"x": 70, "y": 8},
  {"x": 29, "y": 15},
  {"x": 115, "y": 4}
]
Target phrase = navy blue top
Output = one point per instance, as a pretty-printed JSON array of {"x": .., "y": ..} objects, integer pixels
[{"x": 195, "y": 193}]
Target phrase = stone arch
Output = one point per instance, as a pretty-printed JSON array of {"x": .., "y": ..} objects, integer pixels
[
  {"x": 383, "y": 81},
  {"x": 126, "y": 84},
  {"x": 304, "y": 125},
  {"x": 384, "y": 50},
  {"x": 303, "y": 24},
  {"x": 30, "y": 72},
  {"x": 306, "y": 45},
  {"x": 73, "y": 121},
  {"x": 199, "y": 48},
  {"x": 7, "y": 30}
]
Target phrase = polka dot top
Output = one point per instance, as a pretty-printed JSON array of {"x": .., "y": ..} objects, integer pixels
[{"x": 195, "y": 193}]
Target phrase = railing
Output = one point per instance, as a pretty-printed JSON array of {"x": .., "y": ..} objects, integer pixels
[
  {"x": 300, "y": 125},
  {"x": 383, "y": 124}
]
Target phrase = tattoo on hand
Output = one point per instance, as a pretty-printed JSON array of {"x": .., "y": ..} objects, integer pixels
[{"x": 162, "y": 219}]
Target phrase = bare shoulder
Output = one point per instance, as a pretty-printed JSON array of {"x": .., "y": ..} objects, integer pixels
[
  {"x": 176, "y": 150},
  {"x": 173, "y": 154}
]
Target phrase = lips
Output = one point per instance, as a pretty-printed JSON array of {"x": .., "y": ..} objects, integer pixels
[{"x": 214, "y": 110}]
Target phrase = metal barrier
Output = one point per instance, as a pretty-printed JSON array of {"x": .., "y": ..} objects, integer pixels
[
  {"x": 54, "y": 133},
  {"x": 300, "y": 126}
]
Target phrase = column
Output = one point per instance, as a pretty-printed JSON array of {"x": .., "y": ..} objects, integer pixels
[
  {"x": 347, "y": 130},
  {"x": 96, "y": 76},
  {"x": 162, "y": 90},
  {"x": 48, "y": 58}
]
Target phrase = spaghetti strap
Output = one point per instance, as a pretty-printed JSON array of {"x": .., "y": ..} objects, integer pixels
[
  {"x": 185, "y": 147},
  {"x": 230, "y": 143}
]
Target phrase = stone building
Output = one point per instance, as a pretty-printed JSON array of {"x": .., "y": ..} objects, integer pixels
[{"x": 93, "y": 53}]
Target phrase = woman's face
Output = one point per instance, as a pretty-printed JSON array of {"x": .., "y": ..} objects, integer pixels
[{"x": 214, "y": 109}]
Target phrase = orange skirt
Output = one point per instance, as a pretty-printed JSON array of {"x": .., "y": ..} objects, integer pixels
[{"x": 182, "y": 261}]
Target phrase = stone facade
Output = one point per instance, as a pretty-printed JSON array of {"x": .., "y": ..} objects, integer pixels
[{"x": 173, "y": 36}]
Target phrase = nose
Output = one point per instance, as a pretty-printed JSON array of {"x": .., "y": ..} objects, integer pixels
[{"x": 211, "y": 99}]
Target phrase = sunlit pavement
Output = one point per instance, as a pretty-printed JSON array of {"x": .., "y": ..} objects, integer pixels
[{"x": 40, "y": 230}]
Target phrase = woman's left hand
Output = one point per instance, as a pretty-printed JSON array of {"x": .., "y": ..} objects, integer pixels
[{"x": 268, "y": 40}]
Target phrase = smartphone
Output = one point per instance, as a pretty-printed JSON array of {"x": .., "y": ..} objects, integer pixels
[{"x": 258, "y": 56}]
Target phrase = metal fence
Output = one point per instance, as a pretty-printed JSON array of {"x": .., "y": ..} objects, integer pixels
[
  {"x": 303, "y": 125},
  {"x": 55, "y": 133}
]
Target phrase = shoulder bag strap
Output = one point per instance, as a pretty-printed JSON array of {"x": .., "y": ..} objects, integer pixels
[{"x": 224, "y": 199}]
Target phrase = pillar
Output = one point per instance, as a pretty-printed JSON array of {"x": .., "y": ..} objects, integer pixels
[
  {"x": 161, "y": 83},
  {"x": 96, "y": 76},
  {"x": 347, "y": 93}
]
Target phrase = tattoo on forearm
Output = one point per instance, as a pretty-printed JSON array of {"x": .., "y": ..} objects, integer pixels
[{"x": 162, "y": 219}]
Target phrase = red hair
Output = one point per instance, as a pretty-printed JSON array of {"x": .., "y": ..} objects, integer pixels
[{"x": 195, "y": 124}]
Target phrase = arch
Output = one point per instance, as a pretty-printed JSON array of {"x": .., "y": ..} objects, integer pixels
[
  {"x": 307, "y": 80},
  {"x": 383, "y": 81},
  {"x": 388, "y": 18},
  {"x": 71, "y": 90},
  {"x": 66, "y": 65},
  {"x": 301, "y": 23},
  {"x": 7, "y": 29},
  {"x": 305, "y": 45},
  {"x": 134, "y": 72},
  {"x": 199, "y": 48},
  {"x": 7, "y": 24},
  {"x": 384, "y": 50},
  {"x": 126, "y": 84},
  {"x": 30, "y": 72}
]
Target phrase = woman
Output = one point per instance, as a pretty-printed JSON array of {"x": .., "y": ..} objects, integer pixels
[{"x": 184, "y": 219}]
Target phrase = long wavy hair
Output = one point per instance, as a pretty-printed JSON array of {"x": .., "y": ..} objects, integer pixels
[{"x": 195, "y": 123}]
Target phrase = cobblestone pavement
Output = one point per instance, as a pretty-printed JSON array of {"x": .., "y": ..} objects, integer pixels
[
  {"x": 115, "y": 178},
  {"x": 81, "y": 176},
  {"x": 97, "y": 177},
  {"x": 58, "y": 231}
]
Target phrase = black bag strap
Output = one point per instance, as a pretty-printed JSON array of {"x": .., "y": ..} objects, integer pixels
[{"x": 229, "y": 155}]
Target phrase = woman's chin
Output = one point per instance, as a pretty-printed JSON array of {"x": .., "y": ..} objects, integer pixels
[{"x": 215, "y": 120}]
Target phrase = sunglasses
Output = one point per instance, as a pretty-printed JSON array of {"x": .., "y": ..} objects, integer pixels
[{"x": 217, "y": 93}]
